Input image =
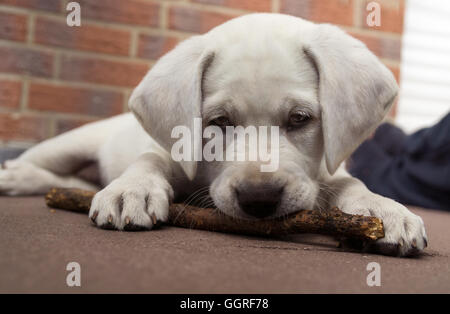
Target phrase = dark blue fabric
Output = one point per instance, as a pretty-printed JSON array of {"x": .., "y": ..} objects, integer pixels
[{"x": 412, "y": 169}]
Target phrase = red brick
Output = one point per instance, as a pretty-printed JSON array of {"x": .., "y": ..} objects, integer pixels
[
  {"x": 26, "y": 61},
  {"x": 194, "y": 20},
  {"x": 383, "y": 47},
  {"x": 117, "y": 73},
  {"x": 23, "y": 127},
  {"x": 13, "y": 26},
  {"x": 86, "y": 37},
  {"x": 154, "y": 46},
  {"x": 10, "y": 93},
  {"x": 392, "y": 16},
  {"x": 136, "y": 12},
  {"x": 251, "y": 5},
  {"x": 322, "y": 11},
  {"x": 67, "y": 99},
  {"x": 47, "y": 5},
  {"x": 64, "y": 125}
]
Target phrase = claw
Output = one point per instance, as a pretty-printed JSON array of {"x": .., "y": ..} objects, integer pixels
[
  {"x": 154, "y": 220},
  {"x": 94, "y": 216},
  {"x": 425, "y": 242},
  {"x": 109, "y": 224},
  {"x": 414, "y": 244},
  {"x": 127, "y": 220}
]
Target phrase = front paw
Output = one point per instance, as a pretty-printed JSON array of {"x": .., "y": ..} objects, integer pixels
[
  {"x": 131, "y": 205},
  {"x": 404, "y": 231}
]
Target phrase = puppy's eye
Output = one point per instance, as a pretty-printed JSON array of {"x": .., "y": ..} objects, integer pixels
[
  {"x": 221, "y": 121},
  {"x": 298, "y": 119}
]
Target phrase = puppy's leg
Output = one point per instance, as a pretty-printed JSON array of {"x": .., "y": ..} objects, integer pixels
[
  {"x": 24, "y": 178},
  {"x": 404, "y": 231},
  {"x": 68, "y": 152},
  {"x": 52, "y": 162},
  {"x": 138, "y": 199}
]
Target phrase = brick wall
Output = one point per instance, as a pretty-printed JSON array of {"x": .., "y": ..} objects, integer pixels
[{"x": 54, "y": 77}]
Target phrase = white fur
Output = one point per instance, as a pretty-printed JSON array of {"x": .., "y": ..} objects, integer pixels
[{"x": 254, "y": 68}]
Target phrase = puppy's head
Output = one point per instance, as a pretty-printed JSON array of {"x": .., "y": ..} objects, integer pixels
[{"x": 323, "y": 90}]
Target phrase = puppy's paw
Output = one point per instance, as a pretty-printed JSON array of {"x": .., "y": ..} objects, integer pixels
[
  {"x": 132, "y": 205},
  {"x": 404, "y": 231},
  {"x": 22, "y": 178}
]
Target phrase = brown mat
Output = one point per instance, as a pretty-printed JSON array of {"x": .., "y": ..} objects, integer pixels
[{"x": 37, "y": 243}]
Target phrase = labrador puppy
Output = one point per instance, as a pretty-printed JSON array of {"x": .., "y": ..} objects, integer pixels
[{"x": 324, "y": 90}]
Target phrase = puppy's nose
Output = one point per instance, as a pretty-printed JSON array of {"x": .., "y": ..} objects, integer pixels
[{"x": 259, "y": 200}]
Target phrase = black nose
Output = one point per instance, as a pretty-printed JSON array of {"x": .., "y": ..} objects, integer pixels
[{"x": 259, "y": 200}]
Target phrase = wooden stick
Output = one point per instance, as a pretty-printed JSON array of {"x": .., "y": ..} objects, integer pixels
[{"x": 329, "y": 222}]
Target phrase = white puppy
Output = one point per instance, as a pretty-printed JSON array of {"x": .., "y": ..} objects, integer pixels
[{"x": 324, "y": 89}]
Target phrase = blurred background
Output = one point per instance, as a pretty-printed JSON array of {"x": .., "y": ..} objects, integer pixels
[
  {"x": 54, "y": 77},
  {"x": 425, "y": 66}
]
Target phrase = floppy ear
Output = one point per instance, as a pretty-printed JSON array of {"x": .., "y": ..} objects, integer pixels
[
  {"x": 170, "y": 95},
  {"x": 355, "y": 90}
]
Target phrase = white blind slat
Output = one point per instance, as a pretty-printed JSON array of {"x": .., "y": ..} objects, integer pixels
[{"x": 425, "y": 76}]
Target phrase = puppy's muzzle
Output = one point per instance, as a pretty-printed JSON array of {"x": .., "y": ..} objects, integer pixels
[{"x": 259, "y": 200}]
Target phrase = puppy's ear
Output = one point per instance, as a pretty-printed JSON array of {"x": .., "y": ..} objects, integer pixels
[
  {"x": 170, "y": 95},
  {"x": 355, "y": 90}
]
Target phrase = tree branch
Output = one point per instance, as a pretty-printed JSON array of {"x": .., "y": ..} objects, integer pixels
[{"x": 329, "y": 222}]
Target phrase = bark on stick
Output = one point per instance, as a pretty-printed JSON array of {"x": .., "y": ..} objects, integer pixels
[{"x": 329, "y": 222}]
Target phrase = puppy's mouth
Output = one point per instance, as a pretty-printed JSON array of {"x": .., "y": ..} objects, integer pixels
[
  {"x": 260, "y": 210},
  {"x": 259, "y": 202},
  {"x": 265, "y": 200},
  {"x": 256, "y": 210}
]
